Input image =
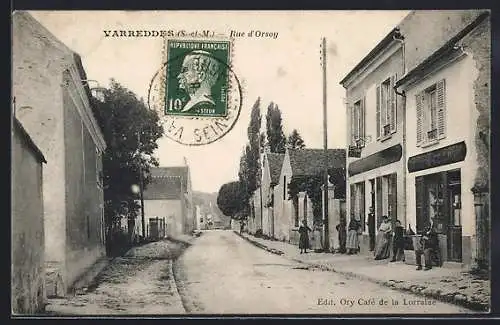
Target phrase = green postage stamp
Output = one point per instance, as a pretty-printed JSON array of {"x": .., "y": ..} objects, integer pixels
[{"x": 196, "y": 82}]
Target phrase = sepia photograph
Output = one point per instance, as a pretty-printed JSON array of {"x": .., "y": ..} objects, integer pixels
[{"x": 253, "y": 163}]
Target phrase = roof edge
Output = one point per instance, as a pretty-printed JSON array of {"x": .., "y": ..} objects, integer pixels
[
  {"x": 27, "y": 138},
  {"x": 376, "y": 50},
  {"x": 443, "y": 50}
]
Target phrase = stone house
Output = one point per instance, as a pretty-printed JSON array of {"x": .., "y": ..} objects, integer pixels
[
  {"x": 447, "y": 89},
  {"x": 52, "y": 97},
  {"x": 169, "y": 197},
  {"x": 376, "y": 173},
  {"x": 28, "y": 257},
  {"x": 302, "y": 163}
]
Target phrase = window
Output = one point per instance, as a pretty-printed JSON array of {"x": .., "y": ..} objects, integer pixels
[
  {"x": 98, "y": 163},
  {"x": 386, "y": 108},
  {"x": 431, "y": 110},
  {"x": 358, "y": 122}
]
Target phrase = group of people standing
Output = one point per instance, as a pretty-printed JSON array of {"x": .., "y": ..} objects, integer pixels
[{"x": 386, "y": 233}]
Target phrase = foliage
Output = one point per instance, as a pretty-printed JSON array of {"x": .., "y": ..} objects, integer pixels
[
  {"x": 130, "y": 131},
  {"x": 230, "y": 199},
  {"x": 274, "y": 129},
  {"x": 249, "y": 173},
  {"x": 312, "y": 186},
  {"x": 295, "y": 140}
]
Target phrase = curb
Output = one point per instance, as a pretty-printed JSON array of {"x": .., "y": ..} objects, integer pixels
[{"x": 453, "y": 298}]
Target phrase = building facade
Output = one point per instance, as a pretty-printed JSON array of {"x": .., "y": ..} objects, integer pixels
[
  {"x": 52, "y": 99},
  {"x": 271, "y": 168},
  {"x": 28, "y": 256},
  {"x": 289, "y": 209},
  {"x": 169, "y": 197},
  {"x": 448, "y": 121},
  {"x": 376, "y": 173}
]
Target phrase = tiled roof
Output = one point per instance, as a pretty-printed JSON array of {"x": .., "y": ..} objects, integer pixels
[
  {"x": 166, "y": 183},
  {"x": 308, "y": 162},
  {"x": 275, "y": 161}
]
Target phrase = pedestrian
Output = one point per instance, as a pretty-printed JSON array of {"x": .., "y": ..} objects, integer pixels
[
  {"x": 429, "y": 245},
  {"x": 383, "y": 239},
  {"x": 242, "y": 226},
  {"x": 352, "y": 243},
  {"x": 398, "y": 243},
  {"x": 341, "y": 229},
  {"x": 304, "y": 237}
]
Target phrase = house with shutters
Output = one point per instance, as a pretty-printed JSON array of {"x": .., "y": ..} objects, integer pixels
[
  {"x": 168, "y": 202},
  {"x": 375, "y": 163},
  {"x": 289, "y": 210},
  {"x": 447, "y": 89}
]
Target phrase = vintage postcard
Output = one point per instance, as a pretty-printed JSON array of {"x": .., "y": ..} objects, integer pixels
[{"x": 263, "y": 163}]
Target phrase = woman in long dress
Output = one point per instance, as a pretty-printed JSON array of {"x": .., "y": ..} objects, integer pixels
[
  {"x": 304, "y": 237},
  {"x": 352, "y": 242},
  {"x": 382, "y": 250}
]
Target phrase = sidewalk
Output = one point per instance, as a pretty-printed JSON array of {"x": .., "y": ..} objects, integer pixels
[{"x": 445, "y": 284}]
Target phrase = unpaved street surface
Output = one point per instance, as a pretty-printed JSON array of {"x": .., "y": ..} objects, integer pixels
[
  {"x": 139, "y": 283},
  {"x": 224, "y": 274}
]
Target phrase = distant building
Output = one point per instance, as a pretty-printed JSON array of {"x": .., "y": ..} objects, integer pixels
[
  {"x": 169, "y": 197},
  {"x": 28, "y": 256},
  {"x": 299, "y": 163},
  {"x": 52, "y": 102}
]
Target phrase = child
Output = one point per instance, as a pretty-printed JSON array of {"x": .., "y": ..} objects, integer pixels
[{"x": 398, "y": 243}]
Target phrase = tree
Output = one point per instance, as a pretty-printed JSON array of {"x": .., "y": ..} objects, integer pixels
[
  {"x": 250, "y": 168},
  {"x": 295, "y": 141},
  {"x": 230, "y": 198},
  {"x": 274, "y": 129},
  {"x": 130, "y": 130}
]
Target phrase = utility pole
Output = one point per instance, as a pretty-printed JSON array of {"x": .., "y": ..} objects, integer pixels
[
  {"x": 325, "y": 143},
  {"x": 141, "y": 191}
]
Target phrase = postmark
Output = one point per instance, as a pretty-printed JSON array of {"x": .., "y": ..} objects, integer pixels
[{"x": 195, "y": 92}]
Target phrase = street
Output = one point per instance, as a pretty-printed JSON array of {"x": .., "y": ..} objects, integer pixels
[
  {"x": 224, "y": 274},
  {"x": 221, "y": 273}
]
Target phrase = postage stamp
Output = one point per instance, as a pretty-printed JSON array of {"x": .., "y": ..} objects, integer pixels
[
  {"x": 195, "y": 92},
  {"x": 197, "y": 78}
]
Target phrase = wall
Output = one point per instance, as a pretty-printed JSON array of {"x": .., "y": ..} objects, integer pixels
[
  {"x": 28, "y": 284},
  {"x": 84, "y": 243},
  {"x": 425, "y": 31},
  {"x": 283, "y": 206},
  {"x": 36, "y": 76},
  {"x": 170, "y": 209}
]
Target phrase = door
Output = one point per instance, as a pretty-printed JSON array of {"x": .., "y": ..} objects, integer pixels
[
  {"x": 371, "y": 216},
  {"x": 455, "y": 217}
]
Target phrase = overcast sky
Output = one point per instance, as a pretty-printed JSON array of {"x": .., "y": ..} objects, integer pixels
[{"x": 285, "y": 70}]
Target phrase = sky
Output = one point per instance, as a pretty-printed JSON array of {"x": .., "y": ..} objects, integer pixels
[{"x": 284, "y": 70}]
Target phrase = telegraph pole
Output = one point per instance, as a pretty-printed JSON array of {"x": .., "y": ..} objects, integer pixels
[
  {"x": 325, "y": 144},
  {"x": 141, "y": 191}
]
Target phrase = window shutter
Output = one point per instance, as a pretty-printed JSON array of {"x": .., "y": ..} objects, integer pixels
[
  {"x": 378, "y": 112},
  {"x": 420, "y": 117},
  {"x": 351, "y": 117},
  {"x": 363, "y": 118},
  {"x": 393, "y": 120},
  {"x": 356, "y": 122},
  {"x": 441, "y": 109}
]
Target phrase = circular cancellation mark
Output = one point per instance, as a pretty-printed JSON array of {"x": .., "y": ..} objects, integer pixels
[{"x": 195, "y": 93}]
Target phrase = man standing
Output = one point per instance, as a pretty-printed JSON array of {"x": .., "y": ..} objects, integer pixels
[
  {"x": 371, "y": 229},
  {"x": 429, "y": 246}
]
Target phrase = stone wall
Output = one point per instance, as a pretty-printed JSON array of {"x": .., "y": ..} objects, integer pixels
[{"x": 27, "y": 278}]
